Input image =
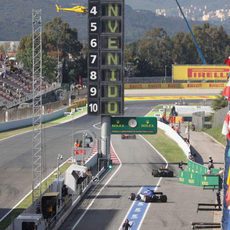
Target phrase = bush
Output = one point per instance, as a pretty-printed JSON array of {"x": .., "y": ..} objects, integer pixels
[{"x": 219, "y": 103}]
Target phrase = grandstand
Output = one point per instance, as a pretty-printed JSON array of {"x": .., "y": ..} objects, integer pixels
[{"x": 16, "y": 85}]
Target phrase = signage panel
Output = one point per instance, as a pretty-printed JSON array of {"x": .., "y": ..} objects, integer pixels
[
  {"x": 133, "y": 125},
  {"x": 111, "y": 75},
  {"x": 111, "y": 107},
  {"x": 106, "y": 57},
  {"x": 200, "y": 72}
]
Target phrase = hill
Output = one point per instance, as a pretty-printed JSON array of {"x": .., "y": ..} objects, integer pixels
[{"x": 15, "y": 18}]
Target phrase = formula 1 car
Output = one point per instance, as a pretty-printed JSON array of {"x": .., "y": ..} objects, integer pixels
[
  {"x": 149, "y": 196},
  {"x": 128, "y": 136},
  {"x": 162, "y": 172}
]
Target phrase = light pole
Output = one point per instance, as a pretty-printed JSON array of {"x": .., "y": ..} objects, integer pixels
[
  {"x": 59, "y": 158},
  {"x": 165, "y": 73}
]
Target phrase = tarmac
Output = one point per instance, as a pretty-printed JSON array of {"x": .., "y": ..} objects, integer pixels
[{"x": 206, "y": 146}]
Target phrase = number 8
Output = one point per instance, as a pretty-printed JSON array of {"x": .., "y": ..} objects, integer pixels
[{"x": 93, "y": 75}]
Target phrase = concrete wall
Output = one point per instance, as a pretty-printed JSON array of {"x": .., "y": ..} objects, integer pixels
[
  {"x": 28, "y": 121},
  {"x": 218, "y": 117},
  {"x": 174, "y": 136},
  {"x": 198, "y": 119}
]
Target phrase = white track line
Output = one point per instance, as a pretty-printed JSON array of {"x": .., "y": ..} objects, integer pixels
[
  {"x": 91, "y": 203},
  {"x": 128, "y": 211},
  {"x": 158, "y": 183},
  {"x": 95, "y": 125}
]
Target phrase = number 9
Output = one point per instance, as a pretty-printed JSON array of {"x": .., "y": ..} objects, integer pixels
[{"x": 93, "y": 91}]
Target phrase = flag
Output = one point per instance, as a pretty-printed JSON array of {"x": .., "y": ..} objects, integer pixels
[
  {"x": 227, "y": 61},
  {"x": 226, "y": 91},
  {"x": 226, "y": 126},
  {"x": 227, "y": 198}
]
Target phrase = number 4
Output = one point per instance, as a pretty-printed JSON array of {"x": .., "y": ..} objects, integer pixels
[{"x": 93, "y": 10}]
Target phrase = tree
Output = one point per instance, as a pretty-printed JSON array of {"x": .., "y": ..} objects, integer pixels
[
  {"x": 219, "y": 103},
  {"x": 183, "y": 51},
  {"x": 154, "y": 52},
  {"x": 213, "y": 41},
  {"x": 59, "y": 41}
]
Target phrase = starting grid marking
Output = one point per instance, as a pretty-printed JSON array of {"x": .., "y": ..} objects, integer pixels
[
  {"x": 138, "y": 210},
  {"x": 160, "y": 98}
]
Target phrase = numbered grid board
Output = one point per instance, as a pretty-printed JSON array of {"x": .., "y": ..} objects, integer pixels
[{"x": 106, "y": 56}]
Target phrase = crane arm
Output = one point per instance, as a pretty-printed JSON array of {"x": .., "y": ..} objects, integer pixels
[{"x": 193, "y": 37}]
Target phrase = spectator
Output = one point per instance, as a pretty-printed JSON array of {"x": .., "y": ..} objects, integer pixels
[
  {"x": 64, "y": 191},
  {"x": 126, "y": 225},
  {"x": 193, "y": 127},
  {"x": 181, "y": 165},
  {"x": 218, "y": 199},
  {"x": 177, "y": 129},
  {"x": 210, "y": 163},
  {"x": 191, "y": 157}
]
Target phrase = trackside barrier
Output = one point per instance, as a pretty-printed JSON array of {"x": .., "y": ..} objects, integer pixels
[
  {"x": 198, "y": 168},
  {"x": 200, "y": 180},
  {"x": 28, "y": 121},
  {"x": 88, "y": 163},
  {"x": 174, "y": 85},
  {"x": 174, "y": 136},
  {"x": 196, "y": 172}
]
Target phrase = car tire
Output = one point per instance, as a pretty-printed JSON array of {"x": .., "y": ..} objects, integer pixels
[
  {"x": 163, "y": 198},
  {"x": 132, "y": 196},
  {"x": 146, "y": 199},
  {"x": 154, "y": 172}
]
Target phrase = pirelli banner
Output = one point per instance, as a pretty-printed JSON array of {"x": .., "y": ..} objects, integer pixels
[{"x": 200, "y": 72}]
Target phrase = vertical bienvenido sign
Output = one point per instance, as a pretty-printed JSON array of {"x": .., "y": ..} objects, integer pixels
[
  {"x": 105, "y": 60},
  {"x": 111, "y": 53}
]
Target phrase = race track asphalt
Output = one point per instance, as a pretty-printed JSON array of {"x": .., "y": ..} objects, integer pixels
[
  {"x": 16, "y": 155},
  {"x": 112, "y": 204},
  {"x": 110, "y": 209}
]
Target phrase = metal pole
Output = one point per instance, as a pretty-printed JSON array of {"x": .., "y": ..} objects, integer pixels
[
  {"x": 188, "y": 131},
  {"x": 59, "y": 157},
  {"x": 58, "y": 173},
  {"x": 105, "y": 136},
  {"x": 165, "y": 73},
  {"x": 83, "y": 147}
]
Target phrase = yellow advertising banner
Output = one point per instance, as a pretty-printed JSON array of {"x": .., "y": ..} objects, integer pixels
[
  {"x": 200, "y": 72},
  {"x": 174, "y": 85}
]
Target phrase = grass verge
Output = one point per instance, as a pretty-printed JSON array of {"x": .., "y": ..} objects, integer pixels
[
  {"x": 167, "y": 147},
  {"x": 27, "y": 202}
]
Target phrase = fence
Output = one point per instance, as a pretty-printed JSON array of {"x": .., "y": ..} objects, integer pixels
[{"x": 15, "y": 114}]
